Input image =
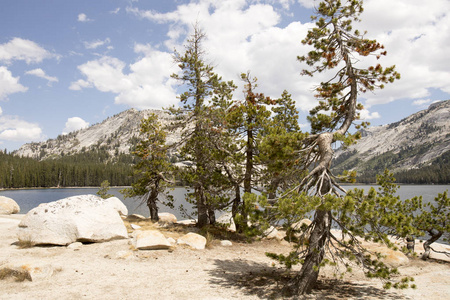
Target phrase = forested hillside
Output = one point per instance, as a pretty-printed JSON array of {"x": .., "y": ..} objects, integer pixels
[{"x": 84, "y": 169}]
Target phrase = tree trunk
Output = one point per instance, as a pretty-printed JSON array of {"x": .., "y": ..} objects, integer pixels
[
  {"x": 305, "y": 281},
  {"x": 235, "y": 206},
  {"x": 152, "y": 206},
  {"x": 435, "y": 235},
  {"x": 202, "y": 209}
]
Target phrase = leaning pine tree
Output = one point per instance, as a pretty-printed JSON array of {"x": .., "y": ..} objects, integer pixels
[{"x": 337, "y": 46}]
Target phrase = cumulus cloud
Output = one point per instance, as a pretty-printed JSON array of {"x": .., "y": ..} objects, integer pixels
[
  {"x": 248, "y": 36},
  {"x": 83, "y": 18},
  {"x": 96, "y": 43},
  {"x": 26, "y": 50},
  {"x": 367, "y": 115},
  {"x": 416, "y": 37},
  {"x": 14, "y": 129},
  {"x": 41, "y": 74},
  {"x": 422, "y": 102},
  {"x": 74, "y": 124},
  {"x": 147, "y": 85},
  {"x": 9, "y": 84}
]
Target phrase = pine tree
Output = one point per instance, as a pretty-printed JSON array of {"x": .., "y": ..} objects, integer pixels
[{"x": 153, "y": 170}]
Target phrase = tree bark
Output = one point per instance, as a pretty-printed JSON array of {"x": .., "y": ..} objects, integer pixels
[
  {"x": 305, "y": 281},
  {"x": 152, "y": 206},
  {"x": 435, "y": 235}
]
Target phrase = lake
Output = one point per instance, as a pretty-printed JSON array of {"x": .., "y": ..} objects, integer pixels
[{"x": 30, "y": 198}]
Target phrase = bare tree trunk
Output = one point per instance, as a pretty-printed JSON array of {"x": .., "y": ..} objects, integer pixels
[
  {"x": 435, "y": 235},
  {"x": 305, "y": 281}
]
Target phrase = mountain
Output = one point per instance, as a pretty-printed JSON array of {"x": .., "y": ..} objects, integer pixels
[
  {"x": 115, "y": 135},
  {"x": 416, "y": 144}
]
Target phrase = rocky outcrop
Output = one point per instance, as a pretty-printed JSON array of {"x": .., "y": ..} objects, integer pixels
[
  {"x": 115, "y": 135},
  {"x": 227, "y": 219},
  {"x": 84, "y": 218},
  {"x": 8, "y": 206},
  {"x": 412, "y": 142},
  {"x": 193, "y": 240},
  {"x": 167, "y": 218},
  {"x": 149, "y": 240}
]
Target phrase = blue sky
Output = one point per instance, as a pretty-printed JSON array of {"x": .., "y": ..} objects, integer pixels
[{"x": 65, "y": 65}]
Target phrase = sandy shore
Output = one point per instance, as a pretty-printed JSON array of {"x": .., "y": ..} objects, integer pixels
[{"x": 113, "y": 270}]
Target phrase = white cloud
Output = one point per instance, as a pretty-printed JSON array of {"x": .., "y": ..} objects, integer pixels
[
  {"x": 40, "y": 73},
  {"x": 97, "y": 43},
  {"x": 247, "y": 35},
  {"x": 79, "y": 84},
  {"x": 366, "y": 115},
  {"x": 9, "y": 84},
  {"x": 116, "y": 11},
  {"x": 148, "y": 84},
  {"x": 83, "y": 18},
  {"x": 416, "y": 36},
  {"x": 421, "y": 102},
  {"x": 21, "y": 49},
  {"x": 74, "y": 124},
  {"x": 14, "y": 129},
  {"x": 1, "y": 111}
]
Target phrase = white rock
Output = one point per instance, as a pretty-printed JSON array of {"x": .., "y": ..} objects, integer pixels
[
  {"x": 149, "y": 240},
  {"x": 134, "y": 226},
  {"x": 301, "y": 224},
  {"x": 8, "y": 206},
  {"x": 226, "y": 243},
  {"x": 392, "y": 258},
  {"x": 172, "y": 241},
  {"x": 135, "y": 217},
  {"x": 167, "y": 218},
  {"x": 227, "y": 219},
  {"x": 273, "y": 233},
  {"x": 80, "y": 218},
  {"x": 187, "y": 222},
  {"x": 193, "y": 240},
  {"x": 75, "y": 246}
]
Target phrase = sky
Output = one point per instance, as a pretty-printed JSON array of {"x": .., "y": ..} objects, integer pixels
[{"x": 66, "y": 65}]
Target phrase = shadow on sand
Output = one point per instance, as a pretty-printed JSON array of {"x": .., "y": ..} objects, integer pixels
[{"x": 257, "y": 279}]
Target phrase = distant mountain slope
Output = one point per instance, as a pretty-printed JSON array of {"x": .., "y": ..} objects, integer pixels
[
  {"x": 416, "y": 142},
  {"x": 116, "y": 135}
]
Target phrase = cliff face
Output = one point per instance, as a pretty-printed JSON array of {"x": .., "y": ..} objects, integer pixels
[
  {"x": 411, "y": 143},
  {"x": 117, "y": 134}
]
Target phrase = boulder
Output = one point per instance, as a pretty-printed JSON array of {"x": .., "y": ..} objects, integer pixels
[
  {"x": 301, "y": 225},
  {"x": 226, "y": 243},
  {"x": 134, "y": 226},
  {"x": 149, "y": 240},
  {"x": 84, "y": 218},
  {"x": 167, "y": 218},
  {"x": 392, "y": 258},
  {"x": 187, "y": 222},
  {"x": 8, "y": 206},
  {"x": 227, "y": 219},
  {"x": 75, "y": 246},
  {"x": 193, "y": 240}
]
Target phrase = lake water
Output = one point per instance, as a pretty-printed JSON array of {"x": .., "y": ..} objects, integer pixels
[{"x": 30, "y": 198}]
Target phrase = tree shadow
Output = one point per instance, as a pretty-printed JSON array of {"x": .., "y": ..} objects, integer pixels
[{"x": 258, "y": 279}]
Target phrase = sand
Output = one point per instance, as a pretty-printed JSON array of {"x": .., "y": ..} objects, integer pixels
[{"x": 113, "y": 270}]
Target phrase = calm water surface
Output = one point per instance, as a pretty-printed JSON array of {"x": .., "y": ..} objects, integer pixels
[{"x": 30, "y": 198}]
